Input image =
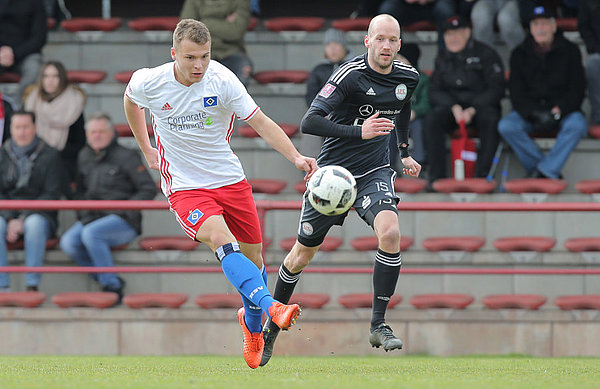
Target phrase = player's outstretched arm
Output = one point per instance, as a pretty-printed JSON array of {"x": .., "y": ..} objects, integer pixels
[
  {"x": 276, "y": 138},
  {"x": 137, "y": 122}
]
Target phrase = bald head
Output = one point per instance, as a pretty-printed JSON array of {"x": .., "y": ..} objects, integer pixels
[{"x": 383, "y": 20}]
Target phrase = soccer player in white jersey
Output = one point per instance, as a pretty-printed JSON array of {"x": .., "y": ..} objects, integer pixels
[{"x": 193, "y": 102}]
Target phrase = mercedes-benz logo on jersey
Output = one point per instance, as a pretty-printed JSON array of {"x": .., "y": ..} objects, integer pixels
[
  {"x": 401, "y": 92},
  {"x": 366, "y": 110}
]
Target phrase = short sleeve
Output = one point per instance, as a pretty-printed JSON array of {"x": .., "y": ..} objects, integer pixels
[
  {"x": 135, "y": 90},
  {"x": 237, "y": 99}
]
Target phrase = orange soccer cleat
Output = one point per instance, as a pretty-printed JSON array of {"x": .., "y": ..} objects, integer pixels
[
  {"x": 253, "y": 343},
  {"x": 284, "y": 315}
]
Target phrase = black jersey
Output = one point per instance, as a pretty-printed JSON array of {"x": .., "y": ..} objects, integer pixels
[{"x": 352, "y": 94}]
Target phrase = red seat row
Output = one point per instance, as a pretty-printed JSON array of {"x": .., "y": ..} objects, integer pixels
[{"x": 74, "y": 76}]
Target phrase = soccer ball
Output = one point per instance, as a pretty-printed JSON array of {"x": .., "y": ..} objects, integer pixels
[{"x": 332, "y": 190}]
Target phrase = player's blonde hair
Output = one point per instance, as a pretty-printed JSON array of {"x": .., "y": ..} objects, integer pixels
[{"x": 192, "y": 30}]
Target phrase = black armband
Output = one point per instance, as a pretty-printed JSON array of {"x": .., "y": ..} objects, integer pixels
[{"x": 403, "y": 151}]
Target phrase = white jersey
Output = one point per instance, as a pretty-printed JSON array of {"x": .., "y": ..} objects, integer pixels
[{"x": 193, "y": 125}]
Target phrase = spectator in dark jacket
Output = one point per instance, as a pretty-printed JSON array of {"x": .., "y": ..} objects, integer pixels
[
  {"x": 7, "y": 107},
  {"x": 30, "y": 170},
  {"x": 22, "y": 36},
  {"x": 547, "y": 85},
  {"x": 106, "y": 171},
  {"x": 467, "y": 85},
  {"x": 589, "y": 29}
]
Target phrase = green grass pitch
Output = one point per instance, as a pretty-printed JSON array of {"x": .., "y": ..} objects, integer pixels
[{"x": 120, "y": 372}]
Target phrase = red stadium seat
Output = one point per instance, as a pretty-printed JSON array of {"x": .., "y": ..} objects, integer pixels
[
  {"x": 594, "y": 131},
  {"x": 294, "y": 24},
  {"x": 586, "y": 301},
  {"x": 183, "y": 243},
  {"x": 588, "y": 186},
  {"x": 420, "y": 26},
  {"x": 85, "y": 299},
  {"x": 348, "y": 24},
  {"x": 370, "y": 243},
  {"x": 220, "y": 300},
  {"x": 409, "y": 185},
  {"x": 159, "y": 23},
  {"x": 514, "y": 301},
  {"x": 567, "y": 24},
  {"x": 300, "y": 186},
  {"x": 278, "y": 76},
  {"x": 525, "y": 243},
  {"x": 9, "y": 77},
  {"x": 22, "y": 299},
  {"x": 155, "y": 300},
  {"x": 20, "y": 244},
  {"x": 91, "y": 24},
  {"x": 124, "y": 76},
  {"x": 468, "y": 185},
  {"x": 50, "y": 23},
  {"x": 577, "y": 245},
  {"x": 267, "y": 242},
  {"x": 454, "y": 243},
  {"x": 331, "y": 243},
  {"x": 86, "y": 76},
  {"x": 310, "y": 300},
  {"x": 289, "y": 129},
  {"x": 270, "y": 186},
  {"x": 124, "y": 131},
  {"x": 536, "y": 185},
  {"x": 441, "y": 300},
  {"x": 365, "y": 300},
  {"x": 252, "y": 23}
]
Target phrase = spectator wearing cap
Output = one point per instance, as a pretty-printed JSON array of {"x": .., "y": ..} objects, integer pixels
[
  {"x": 336, "y": 53},
  {"x": 505, "y": 14},
  {"x": 547, "y": 86},
  {"x": 467, "y": 85},
  {"x": 589, "y": 29}
]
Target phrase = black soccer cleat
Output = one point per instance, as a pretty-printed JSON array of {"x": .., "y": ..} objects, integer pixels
[
  {"x": 270, "y": 332},
  {"x": 382, "y": 335}
]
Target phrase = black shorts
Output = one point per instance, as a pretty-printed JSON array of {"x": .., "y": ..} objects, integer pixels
[{"x": 375, "y": 194}]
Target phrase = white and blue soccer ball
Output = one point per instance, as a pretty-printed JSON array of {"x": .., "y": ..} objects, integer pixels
[{"x": 332, "y": 190}]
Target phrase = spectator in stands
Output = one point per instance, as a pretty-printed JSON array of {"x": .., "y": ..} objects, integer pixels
[
  {"x": 504, "y": 13},
  {"x": 7, "y": 107},
  {"x": 31, "y": 170},
  {"x": 227, "y": 21},
  {"x": 22, "y": 36},
  {"x": 589, "y": 28},
  {"x": 547, "y": 86},
  {"x": 58, "y": 107},
  {"x": 467, "y": 85},
  {"x": 410, "y": 53},
  {"x": 336, "y": 53},
  {"x": 106, "y": 171}
]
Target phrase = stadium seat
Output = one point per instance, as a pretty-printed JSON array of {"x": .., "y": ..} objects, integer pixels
[
  {"x": 20, "y": 244},
  {"x": 159, "y": 23},
  {"x": 9, "y": 78},
  {"x": 454, "y": 243},
  {"x": 594, "y": 131},
  {"x": 124, "y": 76},
  {"x": 586, "y": 301},
  {"x": 22, "y": 299},
  {"x": 514, "y": 301},
  {"x": 349, "y": 24},
  {"x": 155, "y": 300},
  {"x": 588, "y": 186},
  {"x": 267, "y": 185},
  {"x": 300, "y": 187},
  {"x": 85, "y": 299},
  {"x": 525, "y": 243},
  {"x": 441, "y": 300},
  {"x": 409, "y": 185},
  {"x": 578, "y": 245},
  {"x": 91, "y": 24},
  {"x": 370, "y": 243},
  {"x": 278, "y": 76},
  {"x": 364, "y": 300},
  {"x": 420, "y": 26},
  {"x": 219, "y": 300},
  {"x": 252, "y": 23},
  {"x": 310, "y": 300},
  {"x": 249, "y": 132},
  {"x": 294, "y": 24},
  {"x": 267, "y": 242},
  {"x": 86, "y": 76},
  {"x": 567, "y": 24},
  {"x": 50, "y": 23},
  {"x": 124, "y": 131},
  {"x": 468, "y": 185},
  {"x": 331, "y": 243},
  {"x": 183, "y": 243},
  {"x": 536, "y": 185}
]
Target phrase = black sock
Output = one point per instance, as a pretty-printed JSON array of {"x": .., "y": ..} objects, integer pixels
[
  {"x": 385, "y": 277},
  {"x": 284, "y": 287}
]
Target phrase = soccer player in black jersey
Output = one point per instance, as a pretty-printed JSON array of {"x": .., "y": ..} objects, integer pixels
[{"x": 357, "y": 108}]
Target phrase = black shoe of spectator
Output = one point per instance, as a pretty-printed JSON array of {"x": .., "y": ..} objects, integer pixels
[
  {"x": 118, "y": 291},
  {"x": 32, "y": 288}
]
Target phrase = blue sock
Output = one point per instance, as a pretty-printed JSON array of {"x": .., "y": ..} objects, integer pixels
[
  {"x": 253, "y": 313},
  {"x": 245, "y": 276},
  {"x": 264, "y": 274}
]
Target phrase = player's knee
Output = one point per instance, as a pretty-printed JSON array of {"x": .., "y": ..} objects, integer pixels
[
  {"x": 299, "y": 257},
  {"x": 389, "y": 237}
]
